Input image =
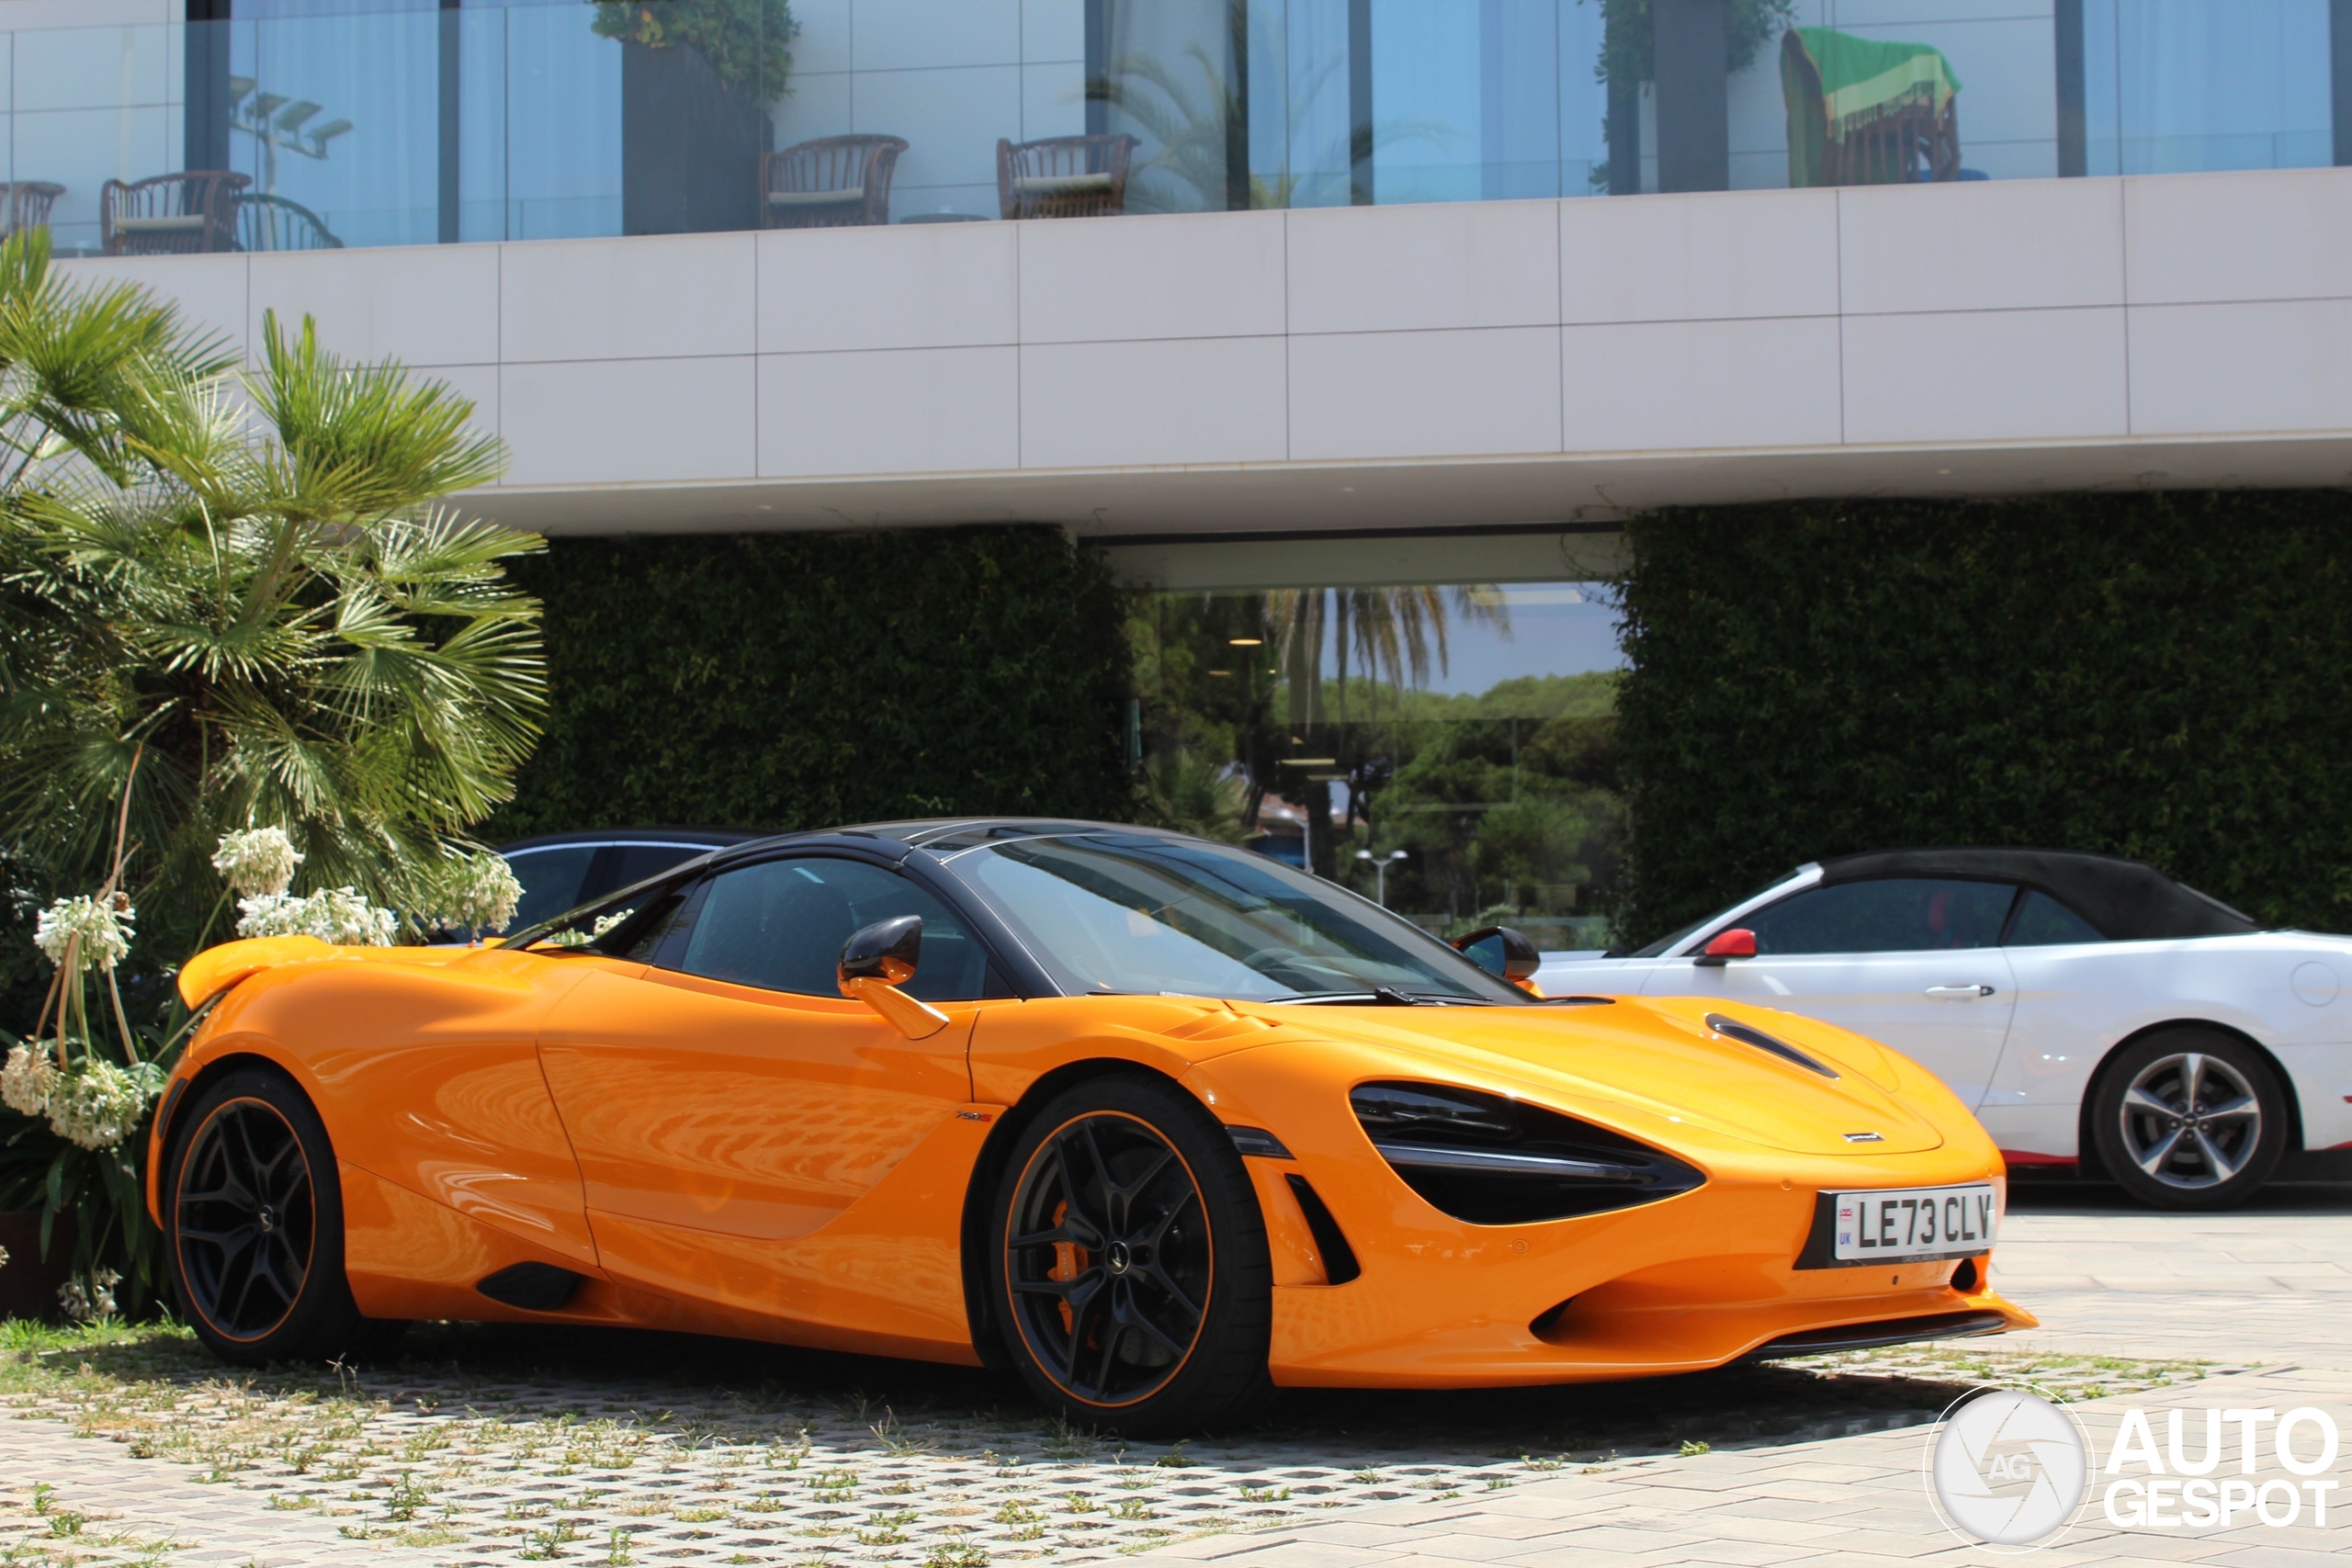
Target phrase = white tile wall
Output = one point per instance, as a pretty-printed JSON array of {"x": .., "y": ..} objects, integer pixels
[
  {"x": 1985, "y": 376},
  {"x": 476, "y": 383},
  {"x": 2285, "y": 366},
  {"x": 2215, "y": 237},
  {"x": 1679, "y": 258},
  {"x": 934, "y": 284},
  {"x": 905, "y": 410},
  {"x": 94, "y": 67},
  {"x": 1495, "y": 391},
  {"x": 589, "y": 423},
  {"x": 1091, "y": 405},
  {"x": 1686, "y": 325},
  {"x": 1445, "y": 264},
  {"x": 670, "y": 296},
  {"x": 209, "y": 290},
  {"x": 1690, "y": 386},
  {"x": 424, "y": 304},
  {"x": 1205, "y": 275},
  {"x": 1980, "y": 245}
]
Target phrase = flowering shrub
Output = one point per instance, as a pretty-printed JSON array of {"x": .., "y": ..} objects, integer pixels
[
  {"x": 101, "y": 927},
  {"x": 94, "y": 1104},
  {"x": 28, "y": 1079},
  {"x": 338, "y": 915},
  {"x": 258, "y": 862},
  {"x": 89, "y": 1298},
  {"x": 476, "y": 892}
]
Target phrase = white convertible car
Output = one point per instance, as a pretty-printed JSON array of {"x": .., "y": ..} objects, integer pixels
[{"x": 2072, "y": 998}]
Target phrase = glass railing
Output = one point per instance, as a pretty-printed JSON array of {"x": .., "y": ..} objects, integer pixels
[{"x": 304, "y": 123}]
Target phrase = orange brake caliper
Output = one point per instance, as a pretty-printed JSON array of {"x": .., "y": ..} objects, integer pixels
[{"x": 1069, "y": 1261}]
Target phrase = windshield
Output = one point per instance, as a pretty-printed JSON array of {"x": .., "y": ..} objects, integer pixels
[{"x": 1141, "y": 913}]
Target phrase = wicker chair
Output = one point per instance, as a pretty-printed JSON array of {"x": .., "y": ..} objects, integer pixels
[
  {"x": 834, "y": 182},
  {"x": 182, "y": 214},
  {"x": 1064, "y": 176},
  {"x": 274, "y": 223},
  {"x": 1889, "y": 151},
  {"x": 29, "y": 203}
]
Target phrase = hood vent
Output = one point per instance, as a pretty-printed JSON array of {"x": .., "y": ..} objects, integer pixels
[{"x": 1749, "y": 1034}]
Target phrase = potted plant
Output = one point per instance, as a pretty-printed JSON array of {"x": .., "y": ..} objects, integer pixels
[{"x": 697, "y": 79}]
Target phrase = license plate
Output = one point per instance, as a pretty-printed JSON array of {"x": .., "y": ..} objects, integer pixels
[{"x": 1913, "y": 1222}]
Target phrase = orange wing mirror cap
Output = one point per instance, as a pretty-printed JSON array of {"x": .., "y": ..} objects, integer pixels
[
  {"x": 876, "y": 961},
  {"x": 216, "y": 969},
  {"x": 1736, "y": 942}
]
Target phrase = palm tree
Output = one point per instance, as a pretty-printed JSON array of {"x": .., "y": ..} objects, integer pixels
[
  {"x": 1391, "y": 634},
  {"x": 226, "y": 602}
]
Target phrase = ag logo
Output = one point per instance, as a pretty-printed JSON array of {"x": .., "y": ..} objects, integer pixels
[{"x": 2009, "y": 1469}]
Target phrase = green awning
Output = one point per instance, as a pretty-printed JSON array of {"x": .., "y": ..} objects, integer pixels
[{"x": 1862, "y": 80}]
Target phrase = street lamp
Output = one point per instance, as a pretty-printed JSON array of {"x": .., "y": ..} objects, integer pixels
[{"x": 1380, "y": 865}]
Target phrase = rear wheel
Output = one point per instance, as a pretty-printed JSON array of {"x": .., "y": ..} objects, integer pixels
[
  {"x": 253, "y": 1217},
  {"x": 2190, "y": 1118},
  {"x": 1128, "y": 1257}
]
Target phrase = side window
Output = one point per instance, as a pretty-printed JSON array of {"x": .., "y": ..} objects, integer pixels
[
  {"x": 780, "y": 925},
  {"x": 2043, "y": 922},
  {"x": 1897, "y": 915}
]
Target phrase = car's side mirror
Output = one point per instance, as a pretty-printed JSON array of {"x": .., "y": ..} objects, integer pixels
[
  {"x": 876, "y": 961},
  {"x": 1503, "y": 953},
  {"x": 1736, "y": 942}
]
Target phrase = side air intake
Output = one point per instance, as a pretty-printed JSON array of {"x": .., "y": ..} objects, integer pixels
[
  {"x": 532, "y": 1286},
  {"x": 1492, "y": 1161}
]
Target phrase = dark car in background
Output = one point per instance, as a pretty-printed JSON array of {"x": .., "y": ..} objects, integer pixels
[{"x": 564, "y": 870}]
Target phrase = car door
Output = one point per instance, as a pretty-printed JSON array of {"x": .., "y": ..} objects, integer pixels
[
  {"x": 1914, "y": 963},
  {"x": 728, "y": 1089}
]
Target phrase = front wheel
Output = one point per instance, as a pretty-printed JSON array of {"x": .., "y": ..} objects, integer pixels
[
  {"x": 2190, "y": 1118},
  {"x": 1128, "y": 1257},
  {"x": 252, "y": 1216}
]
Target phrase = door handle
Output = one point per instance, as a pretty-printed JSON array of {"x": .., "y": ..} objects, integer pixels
[{"x": 1970, "y": 992}]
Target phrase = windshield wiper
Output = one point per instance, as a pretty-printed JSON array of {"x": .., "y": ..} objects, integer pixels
[{"x": 1383, "y": 996}]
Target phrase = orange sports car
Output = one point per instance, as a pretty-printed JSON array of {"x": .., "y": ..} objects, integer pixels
[{"x": 1162, "y": 1123}]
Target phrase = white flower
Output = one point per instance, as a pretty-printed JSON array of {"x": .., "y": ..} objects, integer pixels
[
  {"x": 607, "y": 922},
  {"x": 476, "y": 892},
  {"x": 87, "y": 1298},
  {"x": 258, "y": 860},
  {"x": 104, "y": 930},
  {"x": 97, "y": 1105},
  {"x": 339, "y": 914},
  {"x": 567, "y": 939},
  {"x": 27, "y": 1081}
]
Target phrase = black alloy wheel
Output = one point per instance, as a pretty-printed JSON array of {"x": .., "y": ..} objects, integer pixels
[
  {"x": 246, "y": 1219},
  {"x": 253, "y": 1225},
  {"x": 1130, "y": 1261},
  {"x": 2190, "y": 1118}
]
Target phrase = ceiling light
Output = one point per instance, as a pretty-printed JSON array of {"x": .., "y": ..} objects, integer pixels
[
  {"x": 1246, "y": 642},
  {"x": 1308, "y": 762},
  {"x": 1220, "y": 671}
]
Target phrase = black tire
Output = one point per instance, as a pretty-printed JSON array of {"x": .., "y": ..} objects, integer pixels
[
  {"x": 2190, "y": 1118},
  {"x": 1146, "y": 1311},
  {"x": 253, "y": 1227}
]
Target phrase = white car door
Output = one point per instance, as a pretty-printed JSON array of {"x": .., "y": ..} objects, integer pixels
[{"x": 1913, "y": 962}]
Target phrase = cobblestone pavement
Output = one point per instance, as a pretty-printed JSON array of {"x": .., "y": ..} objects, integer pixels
[
  {"x": 487, "y": 1446},
  {"x": 2262, "y": 1289}
]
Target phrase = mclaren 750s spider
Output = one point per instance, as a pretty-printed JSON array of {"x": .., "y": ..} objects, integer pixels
[{"x": 1158, "y": 1124}]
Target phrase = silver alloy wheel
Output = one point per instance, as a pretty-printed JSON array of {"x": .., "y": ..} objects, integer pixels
[{"x": 2191, "y": 1120}]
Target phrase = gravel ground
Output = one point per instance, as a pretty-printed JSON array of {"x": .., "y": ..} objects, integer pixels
[{"x": 486, "y": 1445}]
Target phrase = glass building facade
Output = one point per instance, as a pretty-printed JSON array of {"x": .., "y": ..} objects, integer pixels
[{"x": 378, "y": 122}]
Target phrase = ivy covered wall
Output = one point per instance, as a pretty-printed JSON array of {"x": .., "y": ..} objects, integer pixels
[
  {"x": 2168, "y": 677},
  {"x": 788, "y": 681}
]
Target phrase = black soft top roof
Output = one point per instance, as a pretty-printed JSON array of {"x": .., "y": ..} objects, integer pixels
[{"x": 2125, "y": 900}]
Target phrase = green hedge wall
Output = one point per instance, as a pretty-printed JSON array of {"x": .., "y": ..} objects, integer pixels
[
  {"x": 788, "y": 680},
  {"x": 2159, "y": 676}
]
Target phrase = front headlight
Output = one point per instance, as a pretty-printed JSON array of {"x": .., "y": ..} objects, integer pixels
[{"x": 1489, "y": 1160}]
